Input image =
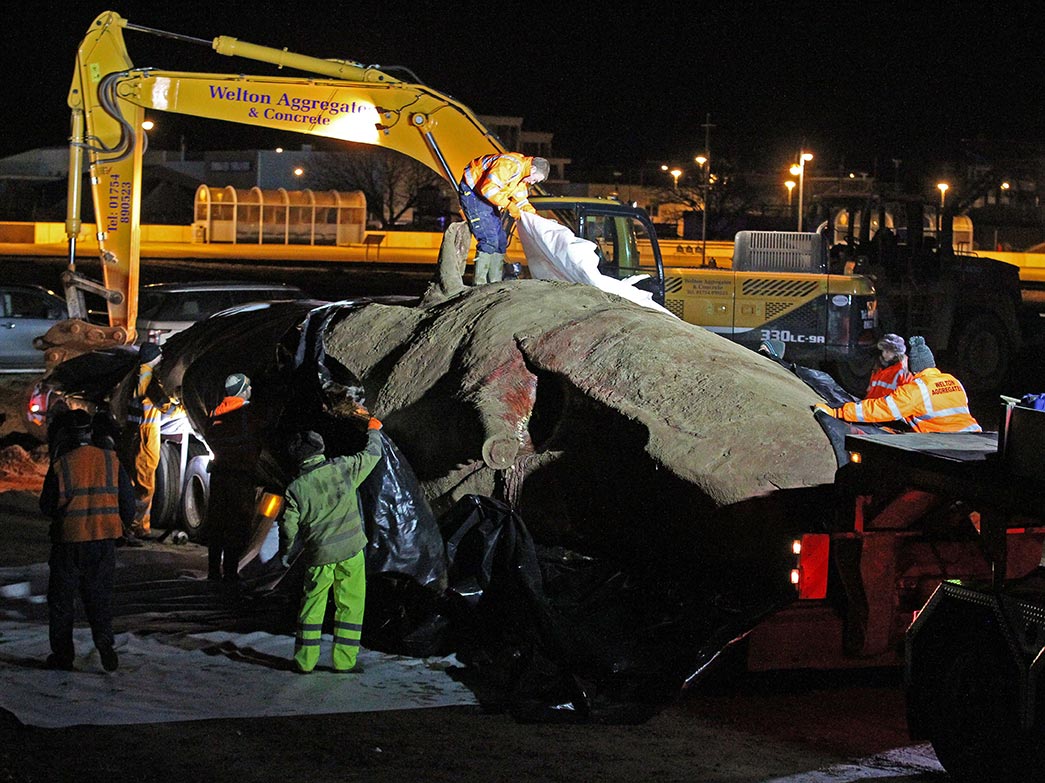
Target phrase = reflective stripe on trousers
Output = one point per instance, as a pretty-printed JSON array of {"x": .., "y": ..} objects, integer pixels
[{"x": 348, "y": 580}]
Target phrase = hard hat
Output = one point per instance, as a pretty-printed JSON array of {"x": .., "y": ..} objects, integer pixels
[
  {"x": 919, "y": 357},
  {"x": 148, "y": 352},
  {"x": 236, "y": 384},
  {"x": 892, "y": 343},
  {"x": 304, "y": 445}
]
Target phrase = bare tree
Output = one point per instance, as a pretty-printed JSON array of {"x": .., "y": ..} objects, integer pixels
[{"x": 390, "y": 180}]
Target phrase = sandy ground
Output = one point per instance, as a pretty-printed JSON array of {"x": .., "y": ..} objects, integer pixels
[{"x": 733, "y": 727}]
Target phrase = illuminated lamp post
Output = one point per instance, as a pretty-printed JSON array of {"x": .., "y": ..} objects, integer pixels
[
  {"x": 799, "y": 170},
  {"x": 675, "y": 174},
  {"x": 790, "y": 185},
  {"x": 705, "y": 175},
  {"x": 943, "y": 187}
]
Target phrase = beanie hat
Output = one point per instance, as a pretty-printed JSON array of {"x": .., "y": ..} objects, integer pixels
[
  {"x": 892, "y": 343},
  {"x": 919, "y": 357},
  {"x": 74, "y": 424},
  {"x": 236, "y": 383},
  {"x": 304, "y": 445},
  {"x": 148, "y": 352}
]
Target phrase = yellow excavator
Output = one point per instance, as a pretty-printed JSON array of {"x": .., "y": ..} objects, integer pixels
[{"x": 780, "y": 291}]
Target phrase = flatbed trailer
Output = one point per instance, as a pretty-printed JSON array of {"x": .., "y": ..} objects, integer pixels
[
  {"x": 974, "y": 654},
  {"x": 909, "y": 511}
]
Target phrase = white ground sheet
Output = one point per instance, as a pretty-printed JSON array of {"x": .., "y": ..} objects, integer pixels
[
  {"x": 553, "y": 252},
  {"x": 183, "y": 675},
  {"x": 894, "y": 765}
]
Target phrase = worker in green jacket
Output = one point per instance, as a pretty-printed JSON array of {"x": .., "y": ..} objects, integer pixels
[{"x": 321, "y": 514}]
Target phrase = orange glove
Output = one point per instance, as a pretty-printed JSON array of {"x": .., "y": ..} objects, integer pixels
[
  {"x": 820, "y": 406},
  {"x": 374, "y": 423}
]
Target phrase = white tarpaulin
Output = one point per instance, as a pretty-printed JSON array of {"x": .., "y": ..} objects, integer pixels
[
  {"x": 193, "y": 672},
  {"x": 553, "y": 252}
]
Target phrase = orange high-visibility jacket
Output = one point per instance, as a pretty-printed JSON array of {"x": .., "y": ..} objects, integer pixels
[
  {"x": 933, "y": 402},
  {"x": 498, "y": 178},
  {"x": 886, "y": 380},
  {"x": 88, "y": 495}
]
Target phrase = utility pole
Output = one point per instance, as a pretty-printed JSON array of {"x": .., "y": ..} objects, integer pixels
[{"x": 707, "y": 126}]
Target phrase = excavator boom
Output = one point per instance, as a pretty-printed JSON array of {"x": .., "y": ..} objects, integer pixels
[{"x": 109, "y": 96}]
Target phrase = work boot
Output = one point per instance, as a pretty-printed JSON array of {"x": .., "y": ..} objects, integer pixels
[
  {"x": 487, "y": 266},
  {"x": 496, "y": 271},
  {"x": 54, "y": 662},
  {"x": 110, "y": 661}
]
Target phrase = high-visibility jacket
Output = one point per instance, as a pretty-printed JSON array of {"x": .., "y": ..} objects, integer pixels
[
  {"x": 886, "y": 380},
  {"x": 142, "y": 409},
  {"x": 321, "y": 507},
  {"x": 88, "y": 494},
  {"x": 498, "y": 178},
  {"x": 230, "y": 436},
  {"x": 933, "y": 402}
]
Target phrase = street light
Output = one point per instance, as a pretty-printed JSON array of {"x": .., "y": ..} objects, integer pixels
[
  {"x": 675, "y": 173},
  {"x": 705, "y": 176},
  {"x": 943, "y": 187},
  {"x": 799, "y": 170},
  {"x": 790, "y": 185},
  {"x": 705, "y": 169}
]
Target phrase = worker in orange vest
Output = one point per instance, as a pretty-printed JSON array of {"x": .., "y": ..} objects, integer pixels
[
  {"x": 233, "y": 487},
  {"x": 89, "y": 496},
  {"x": 491, "y": 185},
  {"x": 890, "y": 368},
  {"x": 932, "y": 402}
]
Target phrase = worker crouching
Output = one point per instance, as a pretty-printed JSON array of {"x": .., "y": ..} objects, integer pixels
[
  {"x": 321, "y": 514},
  {"x": 491, "y": 185},
  {"x": 932, "y": 402}
]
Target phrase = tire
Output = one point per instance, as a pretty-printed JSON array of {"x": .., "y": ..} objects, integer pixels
[
  {"x": 165, "y": 499},
  {"x": 982, "y": 355},
  {"x": 195, "y": 496},
  {"x": 974, "y": 726}
]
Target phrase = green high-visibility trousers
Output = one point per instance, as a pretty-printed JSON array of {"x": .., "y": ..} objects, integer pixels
[{"x": 348, "y": 580}]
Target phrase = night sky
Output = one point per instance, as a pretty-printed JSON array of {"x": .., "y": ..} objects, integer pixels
[{"x": 858, "y": 83}]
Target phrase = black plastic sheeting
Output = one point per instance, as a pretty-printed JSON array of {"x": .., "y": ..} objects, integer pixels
[
  {"x": 92, "y": 376},
  {"x": 552, "y": 635},
  {"x": 402, "y": 530}
]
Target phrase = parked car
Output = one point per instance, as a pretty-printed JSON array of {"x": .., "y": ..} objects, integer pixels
[
  {"x": 26, "y": 311},
  {"x": 168, "y": 308}
]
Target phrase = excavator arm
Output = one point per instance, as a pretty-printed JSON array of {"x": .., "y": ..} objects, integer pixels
[{"x": 337, "y": 99}]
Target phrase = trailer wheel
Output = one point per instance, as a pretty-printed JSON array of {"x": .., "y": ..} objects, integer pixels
[
  {"x": 982, "y": 354},
  {"x": 974, "y": 728},
  {"x": 164, "y": 513},
  {"x": 196, "y": 493}
]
